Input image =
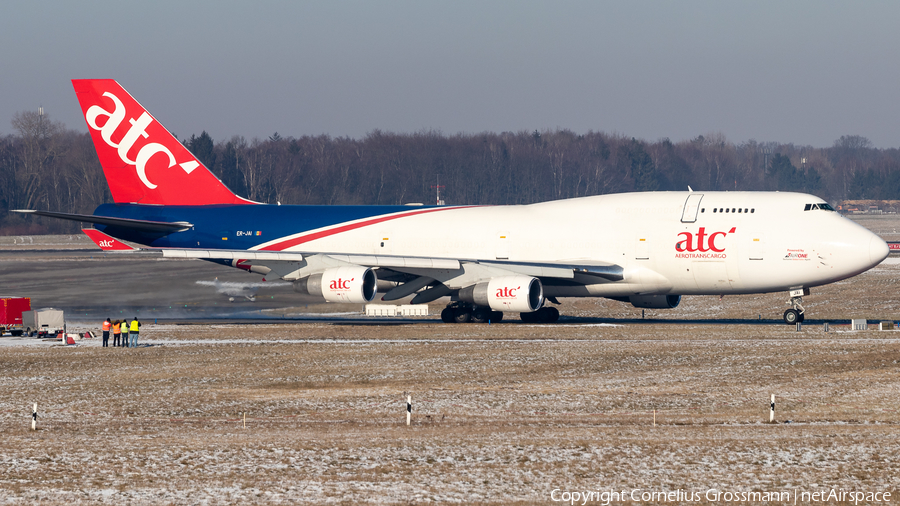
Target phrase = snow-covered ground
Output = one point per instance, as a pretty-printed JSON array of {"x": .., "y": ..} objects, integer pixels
[{"x": 502, "y": 414}]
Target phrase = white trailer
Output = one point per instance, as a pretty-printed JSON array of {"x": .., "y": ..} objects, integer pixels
[
  {"x": 391, "y": 310},
  {"x": 44, "y": 322}
]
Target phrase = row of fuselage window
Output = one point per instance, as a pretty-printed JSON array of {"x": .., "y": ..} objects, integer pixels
[{"x": 730, "y": 210}]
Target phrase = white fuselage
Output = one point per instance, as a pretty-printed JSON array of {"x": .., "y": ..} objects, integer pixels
[{"x": 667, "y": 242}]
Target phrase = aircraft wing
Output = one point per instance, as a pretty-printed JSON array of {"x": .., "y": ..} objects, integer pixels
[
  {"x": 419, "y": 265},
  {"x": 399, "y": 276},
  {"x": 609, "y": 272}
]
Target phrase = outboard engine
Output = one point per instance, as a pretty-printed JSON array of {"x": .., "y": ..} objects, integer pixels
[{"x": 343, "y": 284}]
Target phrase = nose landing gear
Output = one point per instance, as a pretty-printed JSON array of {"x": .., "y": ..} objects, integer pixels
[{"x": 796, "y": 314}]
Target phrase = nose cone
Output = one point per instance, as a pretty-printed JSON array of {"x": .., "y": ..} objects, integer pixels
[
  {"x": 852, "y": 249},
  {"x": 878, "y": 250}
]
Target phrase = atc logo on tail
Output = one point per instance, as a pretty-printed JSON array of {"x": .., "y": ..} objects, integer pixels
[
  {"x": 138, "y": 129},
  {"x": 142, "y": 161}
]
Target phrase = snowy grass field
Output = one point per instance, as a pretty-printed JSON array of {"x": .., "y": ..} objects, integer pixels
[{"x": 502, "y": 414}]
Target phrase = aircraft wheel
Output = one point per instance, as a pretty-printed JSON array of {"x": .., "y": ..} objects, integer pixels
[
  {"x": 549, "y": 314},
  {"x": 496, "y": 316},
  {"x": 529, "y": 317},
  {"x": 461, "y": 315},
  {"x": 802, "y": 317},
  {"x": 791, "y": 316},
  {"x": 447, "y": 315},
  {"x": 481, "y": 314}
]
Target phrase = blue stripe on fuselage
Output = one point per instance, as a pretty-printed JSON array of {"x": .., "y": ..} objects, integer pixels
[{"x": 238, "y": 223}]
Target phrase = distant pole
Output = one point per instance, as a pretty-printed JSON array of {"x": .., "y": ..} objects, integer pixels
[
  {"x": 438, "y": 187},
  {"x": 772, "y": 410},
  {"x": 766, "y": 151},
  {"x": 408, "y": 408},
  {"x": 34, "y": 417}
]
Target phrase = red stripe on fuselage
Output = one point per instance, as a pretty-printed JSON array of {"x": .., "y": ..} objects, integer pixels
[{"x": 281, "y": 246}]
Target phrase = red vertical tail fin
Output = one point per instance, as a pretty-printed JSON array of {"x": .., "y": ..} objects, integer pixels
[{"x": 142, "y": 161}]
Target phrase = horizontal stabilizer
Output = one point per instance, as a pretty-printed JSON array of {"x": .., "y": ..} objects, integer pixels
[{"x": 155, "y": 226}]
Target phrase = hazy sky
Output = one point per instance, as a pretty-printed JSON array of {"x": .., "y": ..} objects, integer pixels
[{"x": 805, "y": 72}]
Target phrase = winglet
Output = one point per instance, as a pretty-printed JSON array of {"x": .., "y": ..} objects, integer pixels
[{"x": 105, "y": 242}]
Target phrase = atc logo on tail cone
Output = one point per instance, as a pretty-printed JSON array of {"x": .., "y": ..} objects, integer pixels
[{"x": 105, "y": 242}]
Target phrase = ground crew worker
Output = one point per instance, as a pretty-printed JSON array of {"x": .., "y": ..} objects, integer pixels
[
  {"x": 135, "y": 329},
  {"x": 124, "y": 328},
  {"x": 106, "y": 325},
  {"x": 116, "y": 333}
]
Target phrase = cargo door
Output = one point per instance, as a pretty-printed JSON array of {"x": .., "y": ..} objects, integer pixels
[
  {"x": 691, "y": 208},
  {"x": 710, "y": 275},
  {"x": 502, "y": 246},
  {"x": 755, "y": 247},
  {"x": 642, "y": 247},
  {"x": 383, "y": 245}
]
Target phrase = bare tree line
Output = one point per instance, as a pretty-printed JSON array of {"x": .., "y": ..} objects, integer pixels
[{"x": 47, "y": 166}]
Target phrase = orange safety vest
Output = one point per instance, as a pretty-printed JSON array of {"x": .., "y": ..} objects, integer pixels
[
  {"x": 106, "y": 325},
  {"x": 116, "y": 328}
]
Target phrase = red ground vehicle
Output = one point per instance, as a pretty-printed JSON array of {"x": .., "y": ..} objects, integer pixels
[{"x": 11, "y": 309}]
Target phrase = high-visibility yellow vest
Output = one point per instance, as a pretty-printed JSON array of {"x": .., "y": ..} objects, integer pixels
[{"x": 134, "y": 326}]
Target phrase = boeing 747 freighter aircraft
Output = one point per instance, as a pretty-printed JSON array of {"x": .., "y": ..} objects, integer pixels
[{"x": 648, "y": 249}]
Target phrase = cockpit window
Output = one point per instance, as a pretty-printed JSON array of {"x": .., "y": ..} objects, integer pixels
[{"x": 823, "y": 206}]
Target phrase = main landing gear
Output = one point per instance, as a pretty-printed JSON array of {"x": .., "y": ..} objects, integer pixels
[
  {"x": 542, "y": 315},
  {"x": 796, "y": 314},
  {"x": 462, "y": 312}
]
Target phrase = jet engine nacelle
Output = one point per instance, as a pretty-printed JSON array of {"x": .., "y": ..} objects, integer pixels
[
  {"x": 522, "y": 294},
  {"x": 341, "y": 284},
  {"x": 655, "y": 301}
]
